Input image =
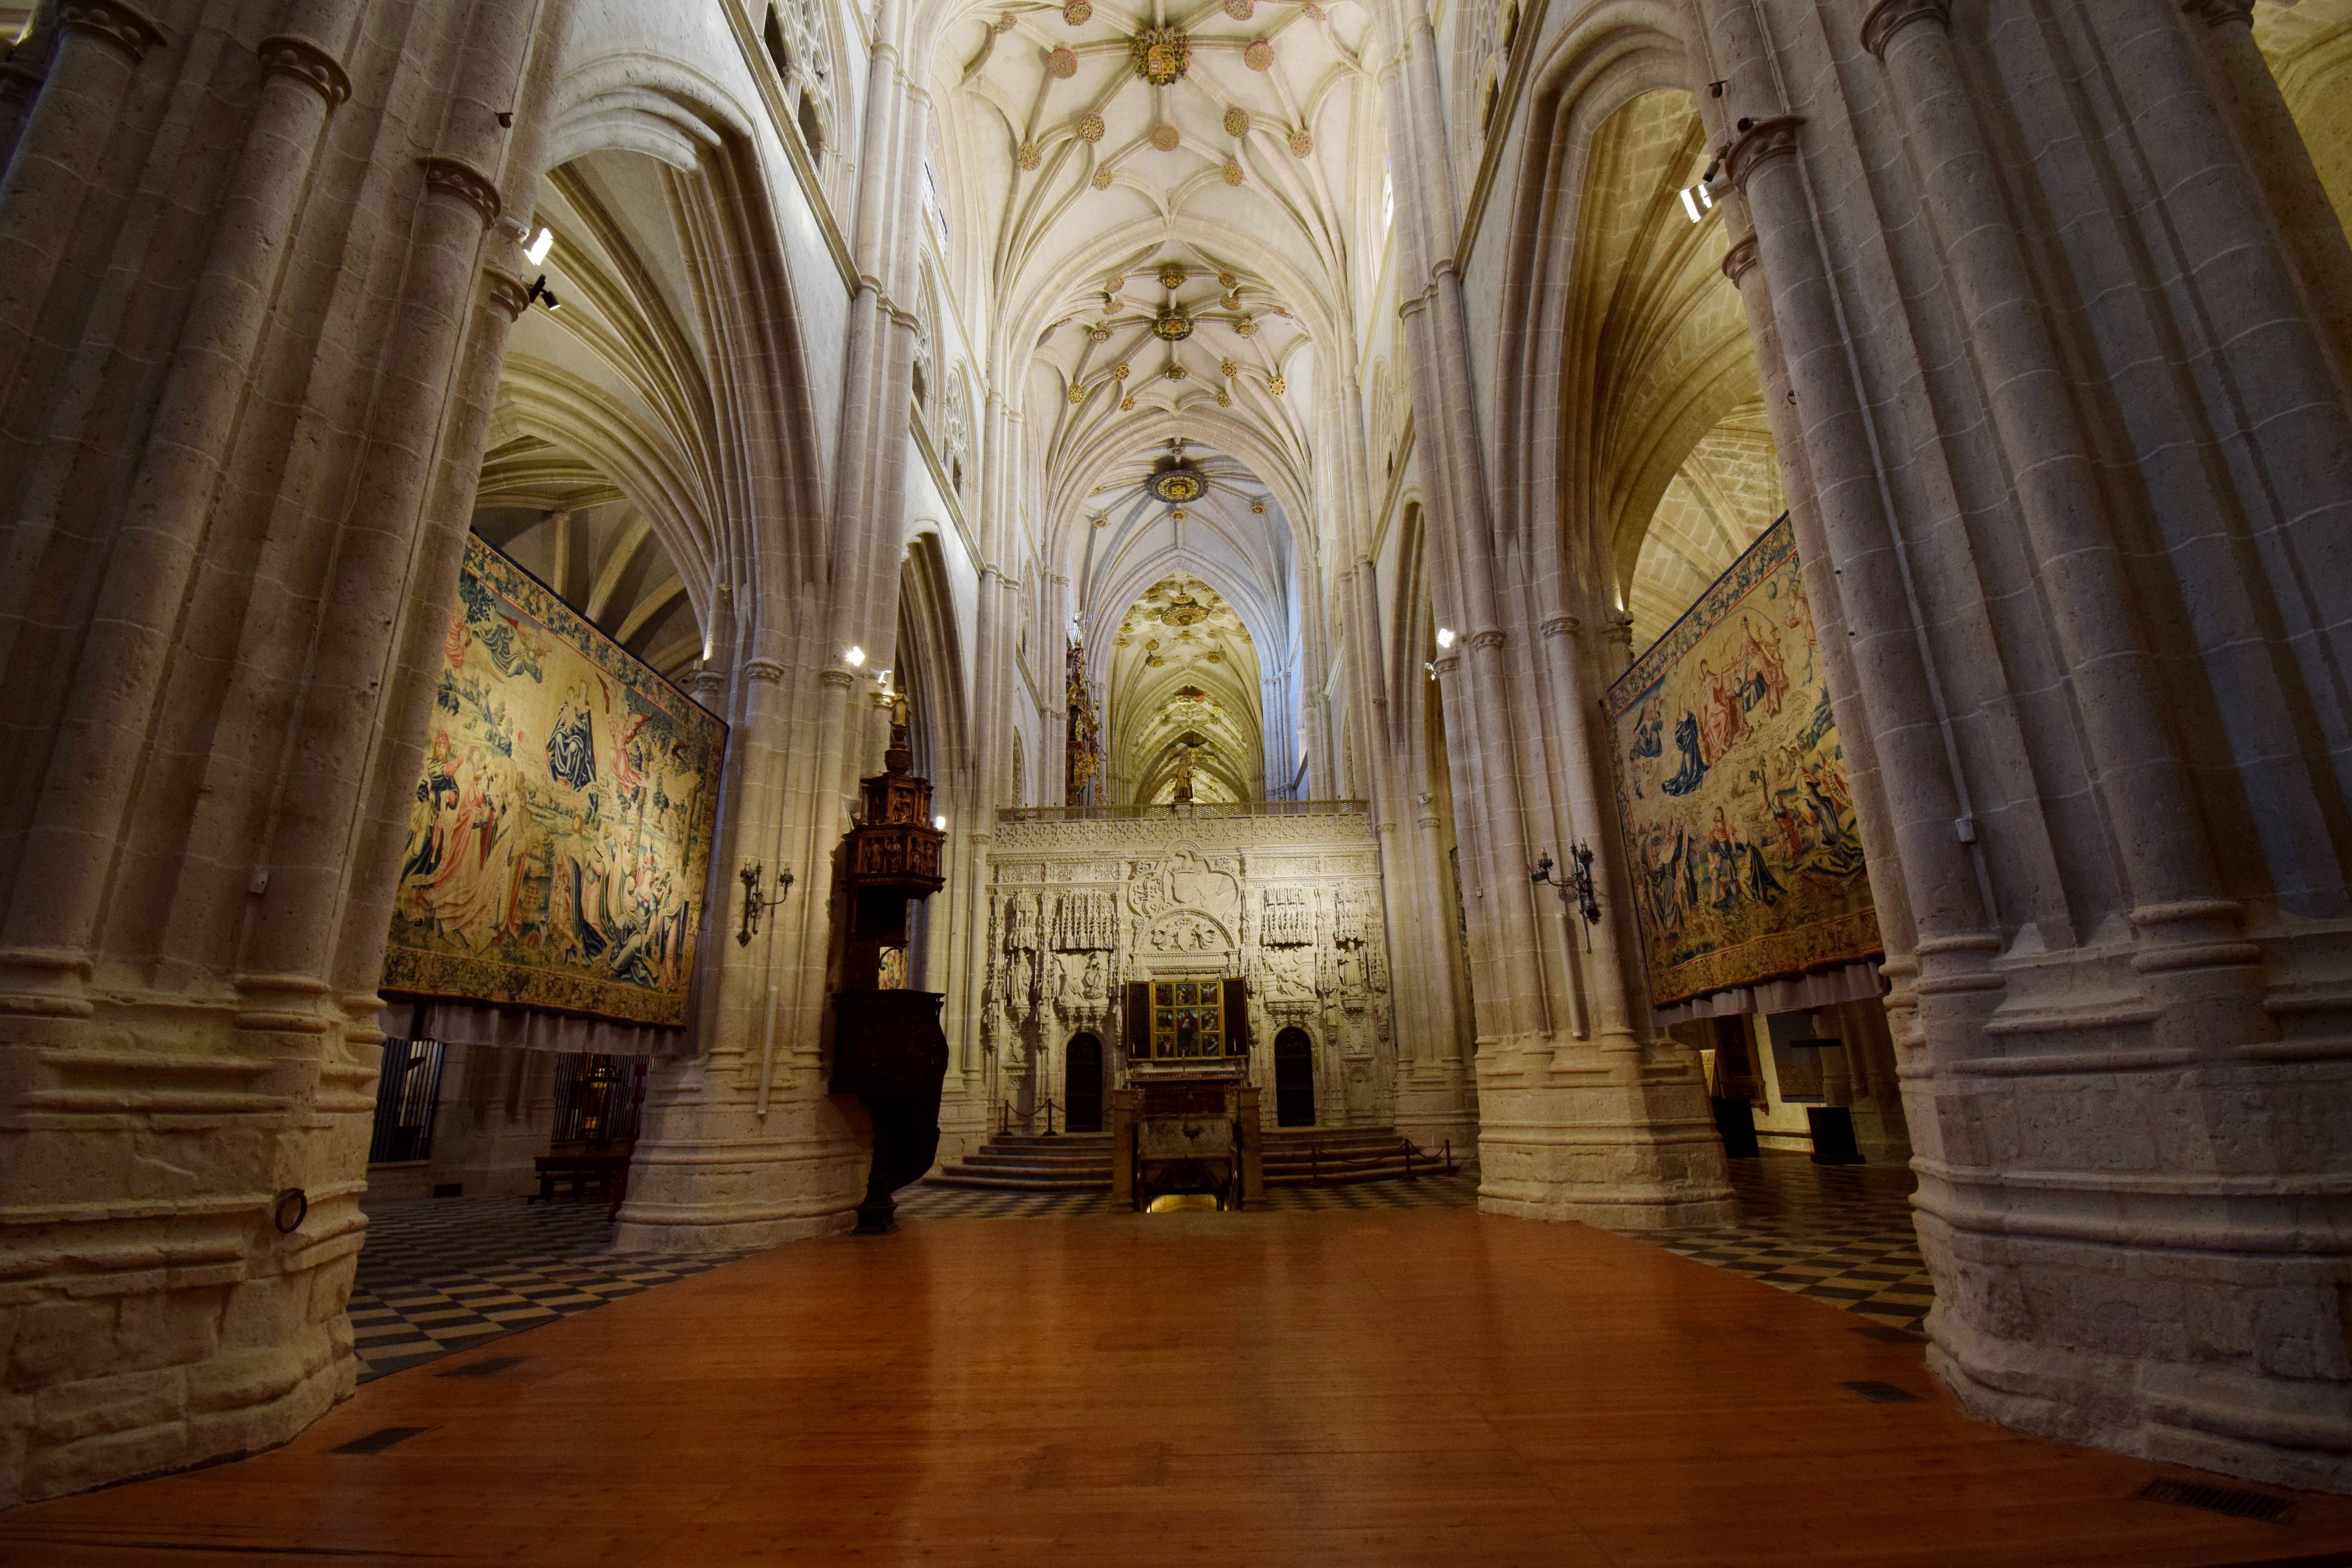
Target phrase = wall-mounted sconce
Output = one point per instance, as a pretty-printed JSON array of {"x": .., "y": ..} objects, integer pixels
[
  {"x": 854, "y": 658},
  {"x": 755, "y": 902},
  {"x": 1445, "y": 637},
  {"x": 939, "y": 823},
  {"x": 541, "y": 243},
  {"x": 541, "y": 292},
  {"x": 1577, "y": 884}
]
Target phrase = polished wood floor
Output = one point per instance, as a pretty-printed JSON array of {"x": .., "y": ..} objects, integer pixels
[{"x": 1421, "y": 1387}]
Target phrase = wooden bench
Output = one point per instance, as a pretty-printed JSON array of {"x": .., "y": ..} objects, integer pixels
[{"x": 606, "y": 1174}]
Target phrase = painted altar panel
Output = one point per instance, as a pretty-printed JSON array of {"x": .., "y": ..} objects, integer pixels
[
  {"x": 1732, "y": 791},
  {"x": 559, "y": 844}
]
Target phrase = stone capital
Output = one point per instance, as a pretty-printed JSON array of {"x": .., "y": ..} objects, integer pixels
[
  {"x": 453, "y": 178},
  {"x": 2221, "y": 12},
  {"x": 1764, "y": 142},
  {"x": 111, "y": 22},
  {"x": 770, "y": 670},
  {"x": 510, "y": 294},
  {"x": 1739, "y": 259},
  {"x": 1562, "y": 626},
  {"x": 1490, "y": 637},
  {"x": 1889, "y": 17},
  {"x": 840, "y": 678},
  {"x": 305, "y": 62}
]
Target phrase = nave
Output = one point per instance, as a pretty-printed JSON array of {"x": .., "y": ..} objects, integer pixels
[
  {"x": 722, "y": 607},
  {"x": 1417, "y": 1387}
]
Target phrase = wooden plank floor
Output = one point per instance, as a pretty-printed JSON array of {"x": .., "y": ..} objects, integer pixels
[{"x": 1421, "y": 1387}]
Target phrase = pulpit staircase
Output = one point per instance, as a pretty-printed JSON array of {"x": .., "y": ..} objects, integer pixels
[{"x": 1294, "y": 1157}]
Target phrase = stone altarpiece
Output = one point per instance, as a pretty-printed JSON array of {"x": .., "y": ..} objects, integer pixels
[{"x": 1289, "y": 904}]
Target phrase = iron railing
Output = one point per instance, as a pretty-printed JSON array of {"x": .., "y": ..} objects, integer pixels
[
  {"x": 1006, "y": 1116},
  {"x": 407, "y": 1094}
]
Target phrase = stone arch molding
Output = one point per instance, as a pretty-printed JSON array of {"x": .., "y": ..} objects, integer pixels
[
  {"x": 666, "y": 109},
  {"x": 1613, "y": 55},
  {"x": 536, "y": 400}
]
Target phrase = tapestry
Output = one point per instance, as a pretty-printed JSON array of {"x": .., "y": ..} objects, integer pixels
[
  {"x": 1732, "y": 790},
  {"x": 559, "y": 839}
]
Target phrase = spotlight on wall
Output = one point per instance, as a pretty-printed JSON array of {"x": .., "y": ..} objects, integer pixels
[
  {"x": 1445, "y": 637},
  {"x": 1697, "y": 199},
  {"x": 539, "y": 246},
  {"x": 545, "y": 296},
  {"x": 854, "y": 658}
]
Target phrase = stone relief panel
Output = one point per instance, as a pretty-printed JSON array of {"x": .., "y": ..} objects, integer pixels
[{"x": 1292, "y": 905}]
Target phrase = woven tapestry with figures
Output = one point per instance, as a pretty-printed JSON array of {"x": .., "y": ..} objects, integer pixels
[
  {"x": 560, "y": 838},
  {"x": 1732, "y": 790}
]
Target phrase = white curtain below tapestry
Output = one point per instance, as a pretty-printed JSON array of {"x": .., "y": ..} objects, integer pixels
[
  {"x": 460, "y": 1023},
  {"x": 1795, "y": 993}
]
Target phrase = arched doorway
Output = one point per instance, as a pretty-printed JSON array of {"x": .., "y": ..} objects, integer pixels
[
  {"x": 1082, "y": 1084},
  {"x": 1294, "y": 1080}
]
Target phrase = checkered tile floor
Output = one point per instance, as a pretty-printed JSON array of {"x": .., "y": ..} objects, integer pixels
[
  {"x": 1840, "y": 1234},
  {"x": 448, "y": 1274}
]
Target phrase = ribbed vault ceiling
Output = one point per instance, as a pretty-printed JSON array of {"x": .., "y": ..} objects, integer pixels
[{"x": 1163, "y": 207}]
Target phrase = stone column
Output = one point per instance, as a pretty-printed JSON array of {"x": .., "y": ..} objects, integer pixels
[
  {"x": 2128, "y": 1088},
  {"x": 213, "y": 637},
  {"x": 2308, "y": 223},
  {"x": 1564, "y": 1130}
]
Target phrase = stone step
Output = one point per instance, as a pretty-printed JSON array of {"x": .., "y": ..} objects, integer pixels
[
  {"x": 996, "y": 1182},
  {"x": 983, "y": 1162},
  {"x": 1080, "y": 1161}
]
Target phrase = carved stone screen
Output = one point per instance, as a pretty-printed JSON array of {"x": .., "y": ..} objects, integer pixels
[
  {"x": 1732, "y": 791},
  {"x": 1080, "y": 910},
  {"x": 560, "y": 838}
]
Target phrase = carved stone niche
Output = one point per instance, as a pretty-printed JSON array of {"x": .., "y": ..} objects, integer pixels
[{"x": 1196, "y": 937}]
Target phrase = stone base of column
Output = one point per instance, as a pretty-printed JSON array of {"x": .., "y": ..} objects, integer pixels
[
  {"x": 1607, "y": 1153},
  {"x": 128, "y": 1373},
  {"x": 2227, "y": 1363},
  {"x": 965, "y": 1123},
  {"x": 181, "y": 1229},
  {"x": 1881, "y": 1134},
  {"x": 1437, "y": 1105},
  {"x": 716, "y": 1176}
]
